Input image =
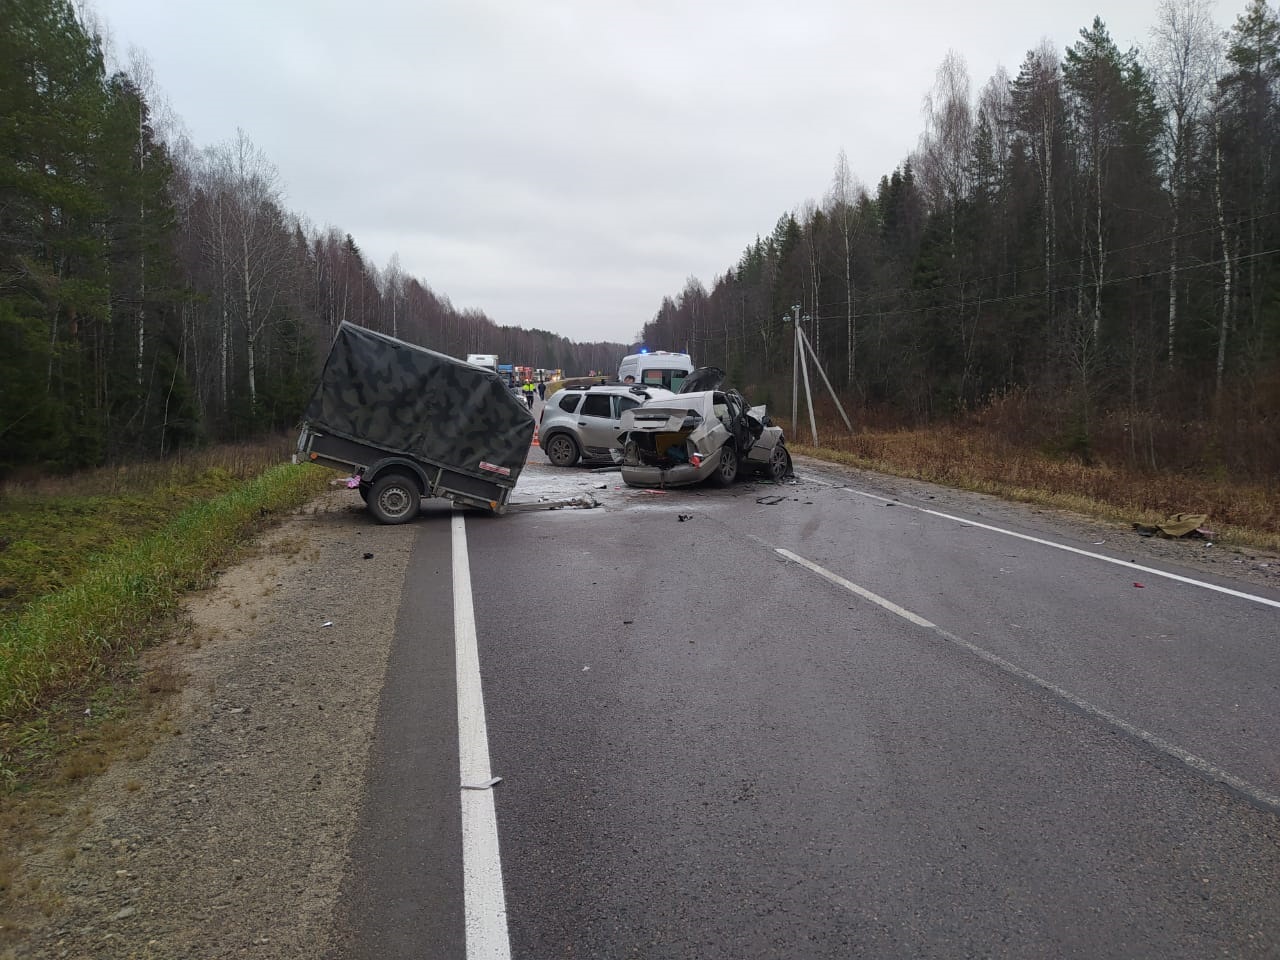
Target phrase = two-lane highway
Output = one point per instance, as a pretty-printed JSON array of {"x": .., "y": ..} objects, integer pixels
[{"x": 829, "y": 725}]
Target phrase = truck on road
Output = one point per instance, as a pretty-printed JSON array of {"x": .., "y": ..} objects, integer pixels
[
  {"x": 412, "y": 423},
  {"x": 487, "y": 360}
]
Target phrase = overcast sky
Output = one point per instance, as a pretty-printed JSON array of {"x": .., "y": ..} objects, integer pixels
[{"x": 564, "y": 164}]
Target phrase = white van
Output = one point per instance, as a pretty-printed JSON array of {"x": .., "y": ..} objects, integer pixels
[{"x": 656, "y": 369}]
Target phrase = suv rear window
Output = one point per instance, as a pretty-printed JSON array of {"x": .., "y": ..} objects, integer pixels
[{"x": 569, "y": 402}]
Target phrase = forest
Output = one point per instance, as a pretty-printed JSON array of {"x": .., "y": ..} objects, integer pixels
[
  {"x": 156, "y": 297},
  {"x": 1087, "y": 249}
]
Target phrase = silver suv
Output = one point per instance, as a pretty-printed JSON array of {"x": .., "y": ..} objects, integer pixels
[{"x": 582, "y": 423}]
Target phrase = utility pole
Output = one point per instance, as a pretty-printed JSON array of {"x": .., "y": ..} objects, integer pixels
[
  {"x": 799, "y": 366},
  {"x": 795, "y": 368},
  {"x": 801, "y": 342}
]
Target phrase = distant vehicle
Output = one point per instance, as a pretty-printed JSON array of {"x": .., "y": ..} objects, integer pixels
[
  {"x": 487, "y": 360},
  {"x": 656, "y": 369},
  {"x": 582, "y": 422},
  {"x": 703, "y": 433},
  {"x": 409, "y": 422}
]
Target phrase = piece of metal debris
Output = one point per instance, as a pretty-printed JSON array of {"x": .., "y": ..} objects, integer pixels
[
  {"x": 770, "y": 501},
  {"x": 487, "y": 785},
  {"x": 585, "y": 502}
]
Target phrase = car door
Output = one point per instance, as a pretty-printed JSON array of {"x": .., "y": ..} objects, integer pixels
[{"x": 597, "y": 422}]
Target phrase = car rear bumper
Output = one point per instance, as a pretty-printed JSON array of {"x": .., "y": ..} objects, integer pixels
[{"x": 680, "y": 475}]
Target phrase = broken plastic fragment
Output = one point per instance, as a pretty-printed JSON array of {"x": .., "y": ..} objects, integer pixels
[
  {"x": 327, "y": 623},
  {"x": 353, "y": 482},
  {"x": 1138, "y": 585},
  {"x": 488, "y": 784}
]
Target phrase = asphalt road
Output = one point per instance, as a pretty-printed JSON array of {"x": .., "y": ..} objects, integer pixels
[{"x": 825, "y": 719}]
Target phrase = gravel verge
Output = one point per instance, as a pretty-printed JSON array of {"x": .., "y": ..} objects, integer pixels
[{"x": 229, "y": 838}]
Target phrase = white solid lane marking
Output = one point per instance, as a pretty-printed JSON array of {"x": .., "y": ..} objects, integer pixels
[
  {"x": 1062, "y": 546},
  {"x": 866, "y": 594},
  {"x": 484, "y": 902},
  {"x": 1255, "y": 794}
]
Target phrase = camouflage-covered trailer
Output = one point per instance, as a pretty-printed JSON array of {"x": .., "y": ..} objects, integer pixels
[{"x": 410, "y": 422}]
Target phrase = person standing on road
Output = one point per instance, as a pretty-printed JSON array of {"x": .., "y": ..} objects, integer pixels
[
  {"x": 542, "y": 389},
  {"x": 528, "y": 394}
]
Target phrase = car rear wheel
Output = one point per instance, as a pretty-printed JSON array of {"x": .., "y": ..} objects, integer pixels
[
  {"x": 394, "y": 498},
  {"x": 561, "y": 450},
  {"x": 727, "y": 469}
]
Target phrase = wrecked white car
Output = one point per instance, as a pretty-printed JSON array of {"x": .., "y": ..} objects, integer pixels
[{"x": 703, "y": 433}]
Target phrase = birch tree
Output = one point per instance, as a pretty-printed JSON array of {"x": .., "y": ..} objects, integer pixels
[
  {"x": 1183, "y": 65},
  {"x": 252, "y": 245},
  {"x": 840, "y": 211}
]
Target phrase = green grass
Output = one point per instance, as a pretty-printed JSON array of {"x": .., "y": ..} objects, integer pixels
[{"x": 124, "y": 567}]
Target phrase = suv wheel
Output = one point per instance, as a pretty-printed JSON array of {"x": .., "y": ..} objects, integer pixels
[{"x": 561, "y": 450}]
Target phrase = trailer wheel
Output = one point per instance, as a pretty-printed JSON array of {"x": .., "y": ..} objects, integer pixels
[{"x": 394, "y": 498}]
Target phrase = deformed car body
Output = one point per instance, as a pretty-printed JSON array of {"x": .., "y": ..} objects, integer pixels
[{"x": 702, "y": 433}]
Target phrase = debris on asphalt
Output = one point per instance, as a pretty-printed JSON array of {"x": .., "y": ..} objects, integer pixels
[
  {"x": 368, "y": 556},
  {"x": 327, "y": 623},
  {"x": 584, "y": 502},
  {"x": 1138, "y": 585},
  {"x": 487, "y": 785},
  {"x": 770, "y": 501},
  {"x": 682, "y": 517},
  {"x": 1178, "y": 526}
]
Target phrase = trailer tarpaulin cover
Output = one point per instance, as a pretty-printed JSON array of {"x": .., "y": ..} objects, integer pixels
[{"x": 404, "y": 398}]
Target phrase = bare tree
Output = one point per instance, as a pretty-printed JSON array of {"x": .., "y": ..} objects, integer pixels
[
  {"x": 840, "y": 210},
  {"x": 946, "y": 144},
  {"x": 393, "y": 281},
  {"x": 251, "y": 243},
  {"x": 1183, "y": 63}
]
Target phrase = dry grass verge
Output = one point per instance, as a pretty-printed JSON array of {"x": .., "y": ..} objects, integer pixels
[{"x": 1244, "y": 514}]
